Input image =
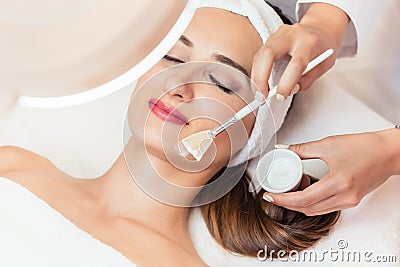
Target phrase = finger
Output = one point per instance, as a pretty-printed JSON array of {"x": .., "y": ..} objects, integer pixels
[
  {"x": 336, "y": 208},
  {"x": 301, "y": 56},
  {"x": 332, "y": 208},
  {"x": 325, "y": 206},
  {"x": 311, "y": 150},
  {"x": 291, "y": 76},
  {"x": 342, "y": 200},
  {"x": 275, "y": 48},
  {"x": 263, "y": 63},
  {"x": 298, "y": 200},
  {"x": 308, "y": 79}
]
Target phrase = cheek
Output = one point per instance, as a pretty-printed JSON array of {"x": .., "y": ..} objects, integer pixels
[
  {"x": 235, "y": 138},
  {"x": 152, "y": 138},
  {"x": 224, "y": 147},
  {"x": 157, "y": 68},
  {"x": 248, "y": 123}
]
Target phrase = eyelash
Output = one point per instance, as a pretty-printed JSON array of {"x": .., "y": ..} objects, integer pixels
[
  {"x": 173, "y": 59},
  {"x": 212, "y": 78},
  {"x": 219, "y": 85}
]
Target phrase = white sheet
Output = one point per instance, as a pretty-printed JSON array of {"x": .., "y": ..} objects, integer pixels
[{"x": 34, "y": 234}]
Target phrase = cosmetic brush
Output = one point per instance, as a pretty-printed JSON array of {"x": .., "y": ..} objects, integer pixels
[{"x": 197, "y": 144}]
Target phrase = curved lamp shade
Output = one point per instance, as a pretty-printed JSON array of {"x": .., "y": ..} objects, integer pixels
[{"x": 59, "y": 53}]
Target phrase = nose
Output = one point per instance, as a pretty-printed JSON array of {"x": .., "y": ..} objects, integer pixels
[
  {"x": 178, "y": 89},
  {"x": 182, "y": 92}
]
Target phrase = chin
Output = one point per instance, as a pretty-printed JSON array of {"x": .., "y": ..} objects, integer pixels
[{"x": 153, "y": 143}]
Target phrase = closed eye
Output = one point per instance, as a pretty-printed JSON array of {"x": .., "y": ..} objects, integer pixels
[
  {"x": 173, "y": 59},
  {"x": 220, "y": 85}
]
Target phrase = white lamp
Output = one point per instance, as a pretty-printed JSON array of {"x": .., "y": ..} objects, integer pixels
[{"x": 70, "y": 52}]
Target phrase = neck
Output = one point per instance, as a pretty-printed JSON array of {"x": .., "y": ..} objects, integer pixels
[{"x": 121, "y": 196}]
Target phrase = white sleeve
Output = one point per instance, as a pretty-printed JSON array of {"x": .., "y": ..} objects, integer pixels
[{"x": 362, "y": 14}]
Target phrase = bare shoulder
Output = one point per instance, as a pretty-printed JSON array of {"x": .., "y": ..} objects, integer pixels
[
  {"x": 36, "y": 173},
  {"x": 17, "y": 159}
]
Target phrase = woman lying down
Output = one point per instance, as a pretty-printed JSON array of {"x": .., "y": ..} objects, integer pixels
[{"x": 136, "y": 214}]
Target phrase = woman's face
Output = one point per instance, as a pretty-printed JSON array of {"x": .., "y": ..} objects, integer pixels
[{"x": 214, "y": 35}]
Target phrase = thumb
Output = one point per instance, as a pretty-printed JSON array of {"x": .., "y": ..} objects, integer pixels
[{"x": 310, "y": 150}]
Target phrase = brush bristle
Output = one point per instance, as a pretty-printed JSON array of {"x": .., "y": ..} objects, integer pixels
[
  {"x": 182, "y": 151},
  {"x": 197, "y": 144}
]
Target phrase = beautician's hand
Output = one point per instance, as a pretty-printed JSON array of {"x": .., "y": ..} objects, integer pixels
[
  {"x": 321, "y": 28},
  {"x": 358, "y": 164}
]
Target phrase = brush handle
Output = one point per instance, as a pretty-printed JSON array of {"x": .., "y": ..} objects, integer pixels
[
  {"x": 313, "y": 63},
  {"x": 258, "y": 101},
  {"x": 316, "y": 61},
  {"x": 216, "y": 131}
]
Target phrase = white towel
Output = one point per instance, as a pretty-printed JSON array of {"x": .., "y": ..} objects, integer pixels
[{"x": 34, "y": 234}]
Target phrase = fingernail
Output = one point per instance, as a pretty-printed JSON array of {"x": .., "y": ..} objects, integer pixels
[
  {"x": 268, "y": 198},
  {"x": 280, "y": 98},
  {"x": 295, "y": 90},
  {"x": 281, "y": 146}
]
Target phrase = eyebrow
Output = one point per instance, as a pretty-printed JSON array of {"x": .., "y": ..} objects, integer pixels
[
  {"x": 186, "y": 41},
  {"x": 218, "y": 57},
  {"x": 226, "y": 60}
]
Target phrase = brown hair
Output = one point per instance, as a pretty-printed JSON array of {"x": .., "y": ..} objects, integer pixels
[{"x": 243, "y": 223}]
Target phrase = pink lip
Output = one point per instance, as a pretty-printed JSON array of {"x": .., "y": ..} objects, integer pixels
[{"x": 167, "y": 113}]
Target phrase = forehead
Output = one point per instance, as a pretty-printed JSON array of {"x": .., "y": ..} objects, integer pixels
[{"x": 214, "y": 30}]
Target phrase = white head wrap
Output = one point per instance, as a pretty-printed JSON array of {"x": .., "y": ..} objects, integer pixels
[{"x": 266, "y": 21}]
